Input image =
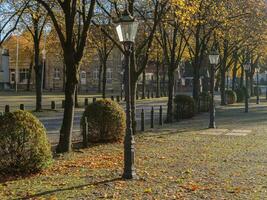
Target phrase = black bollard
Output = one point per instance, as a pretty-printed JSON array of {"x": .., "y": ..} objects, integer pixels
[
  {"x": 137, "y": 96},
  {"x": 152, "y": 95},
  {"x": 94, "y": 99},
  {"x": 160, "y": 116},
  {"x": 118, "y": 99},
  {"x": 86, "y": 102},
  {"x": 142, "y": 120},
  {"x": 112, "y": 98},
  {"x": 7, "y": 108},
  {"x": 21, "y": 107},
  {"x": 85, "y": 133},
  {"x": 53, "y": 105},
  {"x": 152, "y": 118}
]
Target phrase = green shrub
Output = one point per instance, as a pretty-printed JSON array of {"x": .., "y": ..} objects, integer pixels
[
  {"x": 184, "y": 107},
  {"x": 204, "y": 101},
  {"x": 240, "y": 94},
  {"x": 106, "y": 121},
  {"x": 24, "y": 147},
  {"x": 230, "y": 96}
]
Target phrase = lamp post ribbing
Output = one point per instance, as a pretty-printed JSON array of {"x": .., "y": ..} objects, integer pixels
[{"x": 212, "y": 106}]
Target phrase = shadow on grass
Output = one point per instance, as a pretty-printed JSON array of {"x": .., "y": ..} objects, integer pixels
[{"x": 69, "y": 188}]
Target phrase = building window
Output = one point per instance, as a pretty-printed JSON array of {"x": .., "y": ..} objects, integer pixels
[
  {"x": 109, "y": 75},
  {"x": 56, "y": 73},
  {"x": 23, "y": 75},
  {"x": 149, "y": 76},
  {"x": 83, "y": 77},
  {"x": 95, "y": 74},
  {"x": 12, "y": 76}
]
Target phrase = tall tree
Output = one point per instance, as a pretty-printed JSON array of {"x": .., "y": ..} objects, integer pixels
[{"x": 72, "y": 33}]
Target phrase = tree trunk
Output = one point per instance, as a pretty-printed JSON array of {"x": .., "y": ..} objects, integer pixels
[
  {"x": 251, "y": 84},
  {"x": 144, "y": 85},
  {"x": 234, "y": 75},
  {"x": 29, "y": 78},
  {"x": 64, "y": 144},
  {"x": 38, "y": 74},
  {"x": 76, "y": 97},
  {"x": 104, "y": 80},
  {"x": 158, "y": 82},
  {"x": 222, "y": 86},
  {"x": 99, "y": 78},
  {"x": 196, "y": 84},
  {"x": 63, "y": 77},
  {"x": 241, "y": 84},
  {"x": 170, "y": 97},
  {"x": 163, "y": 80}
]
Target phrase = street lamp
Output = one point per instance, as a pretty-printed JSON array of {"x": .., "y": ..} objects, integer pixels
[
  {"x": 247, "y": 67},
  {"x": 46, "y": 32},
  {"x": 126, "y": 28},
  {"x": 214, "y": 60},
  {"x": 257, "y": 70}
]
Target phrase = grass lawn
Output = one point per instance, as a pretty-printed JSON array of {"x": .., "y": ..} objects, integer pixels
[{"x": 174, "y": 162}]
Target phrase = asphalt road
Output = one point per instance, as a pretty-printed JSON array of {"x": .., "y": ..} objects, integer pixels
[{"x": 53, "y": 123}]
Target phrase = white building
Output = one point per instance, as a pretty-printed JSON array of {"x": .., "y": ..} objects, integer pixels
[{"x": 4, "y": 69}]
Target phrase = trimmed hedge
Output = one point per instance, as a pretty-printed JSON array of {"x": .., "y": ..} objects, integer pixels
[
  {"x": 184, "y": 107},
  {"x": 230, "y": 96},
  {"x": 24, "y": 147},
  {"x": 240, "y": 94},
  {"x": 106, "y": 121},
  {"x": 204, "y": 101}
]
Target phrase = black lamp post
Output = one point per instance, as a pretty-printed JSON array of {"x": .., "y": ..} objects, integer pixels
[
  {"x": 247, "y": 67},
  {"x": 126, "y": 29},
  {"x": 214, "y": 60},
  {"x": 257, "y": 74}
]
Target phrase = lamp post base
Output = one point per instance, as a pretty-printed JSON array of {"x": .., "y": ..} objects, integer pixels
[
  {"x": 130, "y": 176},
  {"x": 258, "y": 101},
  {"x": 212, "y": 125}
]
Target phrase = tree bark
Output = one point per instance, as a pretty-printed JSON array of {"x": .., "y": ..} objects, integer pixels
[
  {"x": 144, "y": 85},
  {"x": 64, "y": 144},
  {"x": 251, "y": 84},
  {"x": 169, "y": 118},
  {"x": 104, "y": 79},
  {"x": 222, "y": 86},
  {"x": 38, "y": 72},
  {"x": 196, "y": 84},
  {"x": 76, "y": 97},
  {"x": 234, "y": 74},
  {"x": 241, "y": 84},
  {"x": 29, "y": 78},
  {"x": 158, "y": 81},
  {"x": 99, "y": 78}
]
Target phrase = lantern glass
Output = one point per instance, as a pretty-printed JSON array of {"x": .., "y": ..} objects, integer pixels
[
  {"x": 214, "y": 58},
  {"x": 247, "y": 67},
  {"x": 127, "y": 30},
  {"x": 257, "y": 70}
]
